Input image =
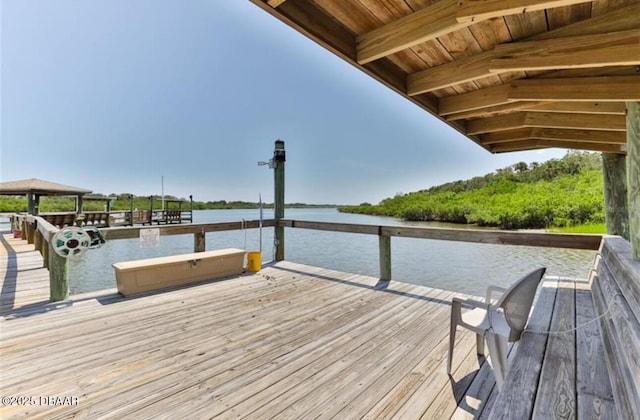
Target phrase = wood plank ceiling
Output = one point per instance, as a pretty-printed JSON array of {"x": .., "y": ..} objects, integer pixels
[{"x": 509, "y": 74}]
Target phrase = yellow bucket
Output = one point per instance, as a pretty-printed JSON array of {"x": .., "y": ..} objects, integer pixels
[{"x": 254, "y": 261}]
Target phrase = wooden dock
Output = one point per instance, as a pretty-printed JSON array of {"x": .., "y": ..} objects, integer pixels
[{"x": 292, "y": 341}]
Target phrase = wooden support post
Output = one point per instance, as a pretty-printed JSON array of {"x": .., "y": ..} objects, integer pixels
[
  {"x": 384, "y": 243},
  {"x": 37, "y": 239},
  {"x": 79, "y": 204},
  {"x": 31, "y": 203},
  {"x": 614, "y": 170},
  {"x": 131, "y": 209},
  {"x": 199, "y": 242},
  {"x": 30, "y": 233},
  {"x": 108, "y": 213},
  {"x": 45, "y": 253},
  {"x": 633, "y": 176},
  {"x": 150, "y": 210},
  {"x": 279, "y": 158},
  {"x": 58, "y": 277}
]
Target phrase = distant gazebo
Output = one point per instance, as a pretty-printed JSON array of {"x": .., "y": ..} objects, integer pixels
[{"x": 35, "y": 188}]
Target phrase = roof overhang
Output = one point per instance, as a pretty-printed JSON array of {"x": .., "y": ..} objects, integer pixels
[
  {"x": 510, "y": 75},
  {"x": 39, "y": 187}
]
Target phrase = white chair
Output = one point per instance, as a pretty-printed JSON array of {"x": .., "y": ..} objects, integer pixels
[{"x": 499, "y": 322}]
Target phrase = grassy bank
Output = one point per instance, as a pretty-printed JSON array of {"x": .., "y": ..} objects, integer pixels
[{"x": 595, "y": 228}]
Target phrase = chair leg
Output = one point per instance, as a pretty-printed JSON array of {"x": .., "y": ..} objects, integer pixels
[
  {"x": 452, "y": 340},
  {"x": 480, "y": 344},
  {"x": 498, "y": 353}
]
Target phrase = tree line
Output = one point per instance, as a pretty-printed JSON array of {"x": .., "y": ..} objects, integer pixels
[
  {"x": 557, "y": 193},
  {"x": 123, "y": 202}
]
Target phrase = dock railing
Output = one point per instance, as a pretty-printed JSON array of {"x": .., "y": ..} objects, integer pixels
[{"x": 40, "y": 232}]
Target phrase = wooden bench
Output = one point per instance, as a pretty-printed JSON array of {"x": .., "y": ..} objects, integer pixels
[
  {"x": 588, "y": 367},
  {"x": 61, "y": 219},
  {"x": 96, "y": 219},
  {"x": 146, "y": 275},
  {"x": 616, "y": 293}
]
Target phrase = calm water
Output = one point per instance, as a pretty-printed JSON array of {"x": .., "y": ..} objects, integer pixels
[{"x": 465, "y": 267}]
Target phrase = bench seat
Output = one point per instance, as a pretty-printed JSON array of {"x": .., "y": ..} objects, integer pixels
[
  {"x": 590, "y": 368},
  {"x": 133, "y": 277}
]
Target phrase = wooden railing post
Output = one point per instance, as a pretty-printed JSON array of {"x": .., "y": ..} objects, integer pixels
[
  {"x": 58, "y": 276},
  {"x": 37, "y": 239},
  {"x": 633, "y": 176},
  {"x": 614, "y": 170},
  {"x": 199, "y": 242},
  {"x": 30, "y": 233},
  {"x": 278, "y": 163},
  {"x": 384, "y": 243},
  {"x": 45, "y": 253}
]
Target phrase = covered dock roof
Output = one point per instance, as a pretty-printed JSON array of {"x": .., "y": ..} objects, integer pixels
[
  {"x": 511, "y": 75},
  {"x": 39, "y": 187},
  {"x": 35, "y": 188}
]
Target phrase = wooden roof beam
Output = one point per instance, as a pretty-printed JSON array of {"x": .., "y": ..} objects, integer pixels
[
  {"x": 475, "y": 100},
  {"x": 505, "y": 136},
  {"x": 541, "y": 144},
  {"x": 441, "y": 18},
  {"x": 477, "y": 66},
  {"x": 479, "y": 10},
  {"x": 547, "y": 119},
  {"x": 611, "y": 49},
  {"x": 275, "y": 3},
  {"x": 423, "y": 25},
  {"x": 604, "y": 108},
  {"x": 592, "y": 136},
  {"x": 583, "y": 136},
  {"x": 579, "y": 89},
  {"x": 587, "y": 89}
]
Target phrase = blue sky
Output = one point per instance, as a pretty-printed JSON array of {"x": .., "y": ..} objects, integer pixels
[{"x": 114, "y": 95}]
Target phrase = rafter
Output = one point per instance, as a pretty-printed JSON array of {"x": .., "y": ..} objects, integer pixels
[
  {"x": 275, "y": 3},
  {"x": 611, "y": 49},
  {"x": 477, "y": 99},
  {"x": 589, "y": 89},
  {"x": 580, "y": 89},
  {"x": 494, "y": 111},
  {"x": 547, "y": 119},
  {"x": 581, "y": 136},
  {"x": 505, "y": 136},
  {"x": 426, "y": 24},
  {"x": 479, "y": 10},
  {"x": 477, "y": 66},
  {"x": 593, "y": 136},
  {"x": 605, "y": 108},
  {"x": 541, "y": 144}
]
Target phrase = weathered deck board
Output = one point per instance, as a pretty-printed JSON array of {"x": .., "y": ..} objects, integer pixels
[
  {"x": 283, "y": 342},
  {"x": 595, "y": 397},
  {"x": 291, "y": 341},
  {"x": 556, "y": 394},
  {"x": 21, "y": 265}
]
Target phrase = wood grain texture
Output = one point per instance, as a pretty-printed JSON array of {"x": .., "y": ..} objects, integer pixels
[
  {"x": 614, "y": 170},
  {"x": 620, "y": 326},
  {"x": 516, "y": 400},
  {"x": 633, "y": 175},
  {"x": 235, "y": 348},
  {"x": 595, "y": 397}
]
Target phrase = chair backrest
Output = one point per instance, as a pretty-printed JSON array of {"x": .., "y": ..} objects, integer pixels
[{"x": 517, "y": 300}]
